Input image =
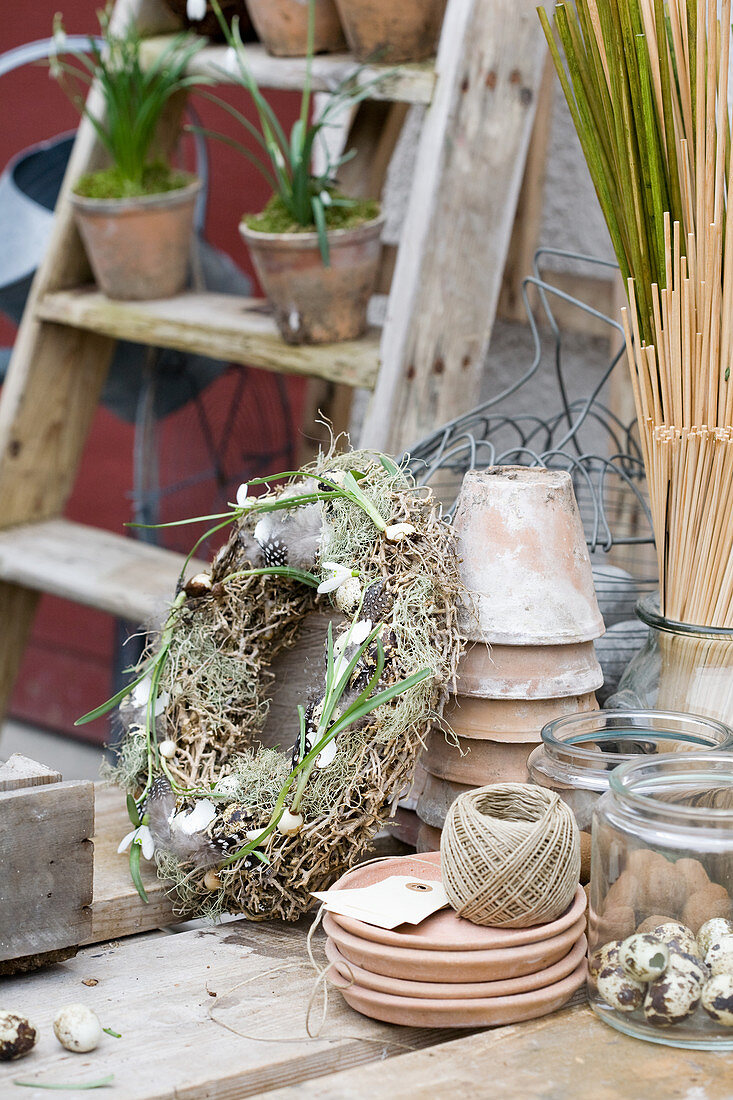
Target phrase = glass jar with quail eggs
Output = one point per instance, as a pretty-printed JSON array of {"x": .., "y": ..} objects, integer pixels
[{"x": 661, "y": 914}]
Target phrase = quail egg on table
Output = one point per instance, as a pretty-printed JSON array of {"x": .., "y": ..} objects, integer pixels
[
  {"x": 618, "y": 989},
  {"x": 17, "y": 1036},
  {"x": 77, "y": 1028},
  {"x": 644, "y": 957},
  {"x": 717, "y": 999},
  {"x": 719, "y": 956},
  {"x": 712, "y": 931}
]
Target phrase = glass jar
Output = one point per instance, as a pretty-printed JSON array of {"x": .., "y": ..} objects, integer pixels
[
  {"x": 681, "y": 667},
  {"x": 662, "y": 852},
  {"x": 579, "y": 752}
]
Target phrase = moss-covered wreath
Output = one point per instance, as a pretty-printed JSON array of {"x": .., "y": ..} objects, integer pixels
[{"x": 237, "y": 827}]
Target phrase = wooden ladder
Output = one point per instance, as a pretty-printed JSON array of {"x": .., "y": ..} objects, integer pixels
[{"x": 480, "y": 97}]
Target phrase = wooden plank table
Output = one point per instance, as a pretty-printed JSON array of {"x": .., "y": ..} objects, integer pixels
[{"x": 218, "y": 1012}]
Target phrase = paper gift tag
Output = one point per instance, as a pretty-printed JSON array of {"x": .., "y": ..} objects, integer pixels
[{"x": 401, "y": 899}]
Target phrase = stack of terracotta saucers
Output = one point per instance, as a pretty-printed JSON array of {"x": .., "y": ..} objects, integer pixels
[
  {"x": 447, "y": 972},
  {"x": 531, "y": 620}
]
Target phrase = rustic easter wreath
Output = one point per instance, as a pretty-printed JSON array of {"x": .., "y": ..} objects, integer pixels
[{"x": 237, "y": 827}]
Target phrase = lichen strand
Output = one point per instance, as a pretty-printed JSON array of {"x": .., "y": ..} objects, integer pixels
[{"x": 218, "y": 680}]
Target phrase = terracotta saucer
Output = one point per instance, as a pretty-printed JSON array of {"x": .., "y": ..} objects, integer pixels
[
  {"x": 445, "y": 930},
  {"x": 469, "y": 990},
  {"x": 453, "y": 965},
  {"x": 482, "y": 1012}
]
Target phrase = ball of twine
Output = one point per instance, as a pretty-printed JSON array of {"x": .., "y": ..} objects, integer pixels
[{"x": 510, "y": 855}]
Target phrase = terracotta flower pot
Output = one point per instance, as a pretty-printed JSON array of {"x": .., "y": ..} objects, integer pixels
[
  {"x": 510, "y": 719},
  {"x": 315, "y": 304},
  {"x": 437, "y": 798},
  {"x": 428, "y": 839},
  {"x": 475, "y": 762},
  {"x": 282, "y": 25},
  {"x": 139, "y": 248},
  {"x": 387, "y": 32},
  {"x": 528, "y": 672},
  {"x": 524, "y": 558}
]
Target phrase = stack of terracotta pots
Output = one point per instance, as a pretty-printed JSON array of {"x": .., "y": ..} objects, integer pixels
[{"x": 531, "y": 616}]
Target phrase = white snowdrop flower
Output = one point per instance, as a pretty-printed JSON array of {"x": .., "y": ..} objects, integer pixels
[
  {"x": 242, "y": 493},
  {"x": 358, "y": 633},
  {"x": 195, "y": 820},
  {"x": 195, "y": 10},
  {"x": 325, "y": 198},
  {"x": 143, "y": 835},
  {"x": 326, "y": 755},
  {"x": 141, "y": 694},
  {"x": 339, "y": 574},
  {"x": 395, "y": 532}
]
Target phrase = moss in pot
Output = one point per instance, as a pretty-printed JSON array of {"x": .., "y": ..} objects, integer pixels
[
  {"x": 316, "y": 251},
  {"x": 135, "y": 216}
]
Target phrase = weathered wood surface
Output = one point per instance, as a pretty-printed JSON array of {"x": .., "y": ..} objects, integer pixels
[
  {"x": 456, "y": 235},
  {"x": 131, "y": 579},
  {"x": 45, "y": 867},
  {"x": 20, "y": 771},
  {"x": 222, "y": 326},
  {"x": 412, "y": 83},
  {"x": 117, "y": 910},
  {"x": 159, "y": 993},
  {"x": 567, "y": 1056},
  {"x": 297, "y": 672}
]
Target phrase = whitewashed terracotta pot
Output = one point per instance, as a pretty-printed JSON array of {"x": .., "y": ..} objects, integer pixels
[
  {"x": 529, "y": 672},
  {"x": 525, "y": 561},
  {"x": 510, "y": 719}
]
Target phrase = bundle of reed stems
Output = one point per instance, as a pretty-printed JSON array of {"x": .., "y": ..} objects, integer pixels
[{"x": 647, "y": 86}]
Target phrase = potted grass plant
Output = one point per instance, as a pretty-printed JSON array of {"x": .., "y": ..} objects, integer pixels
[
  {"x": 135, "y": 216},
  {"x": 316, "y": 251}
]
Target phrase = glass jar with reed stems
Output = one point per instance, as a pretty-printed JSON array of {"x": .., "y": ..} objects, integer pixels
[
  {"x": 681, "y": 667},
  {"x": 660, "y": 929}
]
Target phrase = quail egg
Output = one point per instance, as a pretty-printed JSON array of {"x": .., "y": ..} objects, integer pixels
[
  {"x": 607, "y": 955},
  {"x": 673, "y": 997},
  {"x": 644, "y": 957},
  {"x": 674, "y": 932},
  {"x": 712, "y": 931},
  {"x": 17, "y": 1036},
  {"x": 77, "y": 1028},
  {"x": 719, "y": 956},
  {"x": 618, "y": 989},
  {"x": 717, "y": 999}
]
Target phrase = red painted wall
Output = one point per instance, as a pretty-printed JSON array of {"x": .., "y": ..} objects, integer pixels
[{"x": 67, "y": 666}]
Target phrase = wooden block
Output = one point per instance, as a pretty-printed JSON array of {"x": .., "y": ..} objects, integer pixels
[
  {"x": 21, "y": 771},
  {"x": 117, "y": 909},
  {"x": 45, "y": 867}
]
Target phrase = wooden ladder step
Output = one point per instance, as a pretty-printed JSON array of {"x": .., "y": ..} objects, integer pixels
[
  {"x": 127, "y": 578},
  {"x": 222, "y": 326},
  {"x": 412, "y": 83}
]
